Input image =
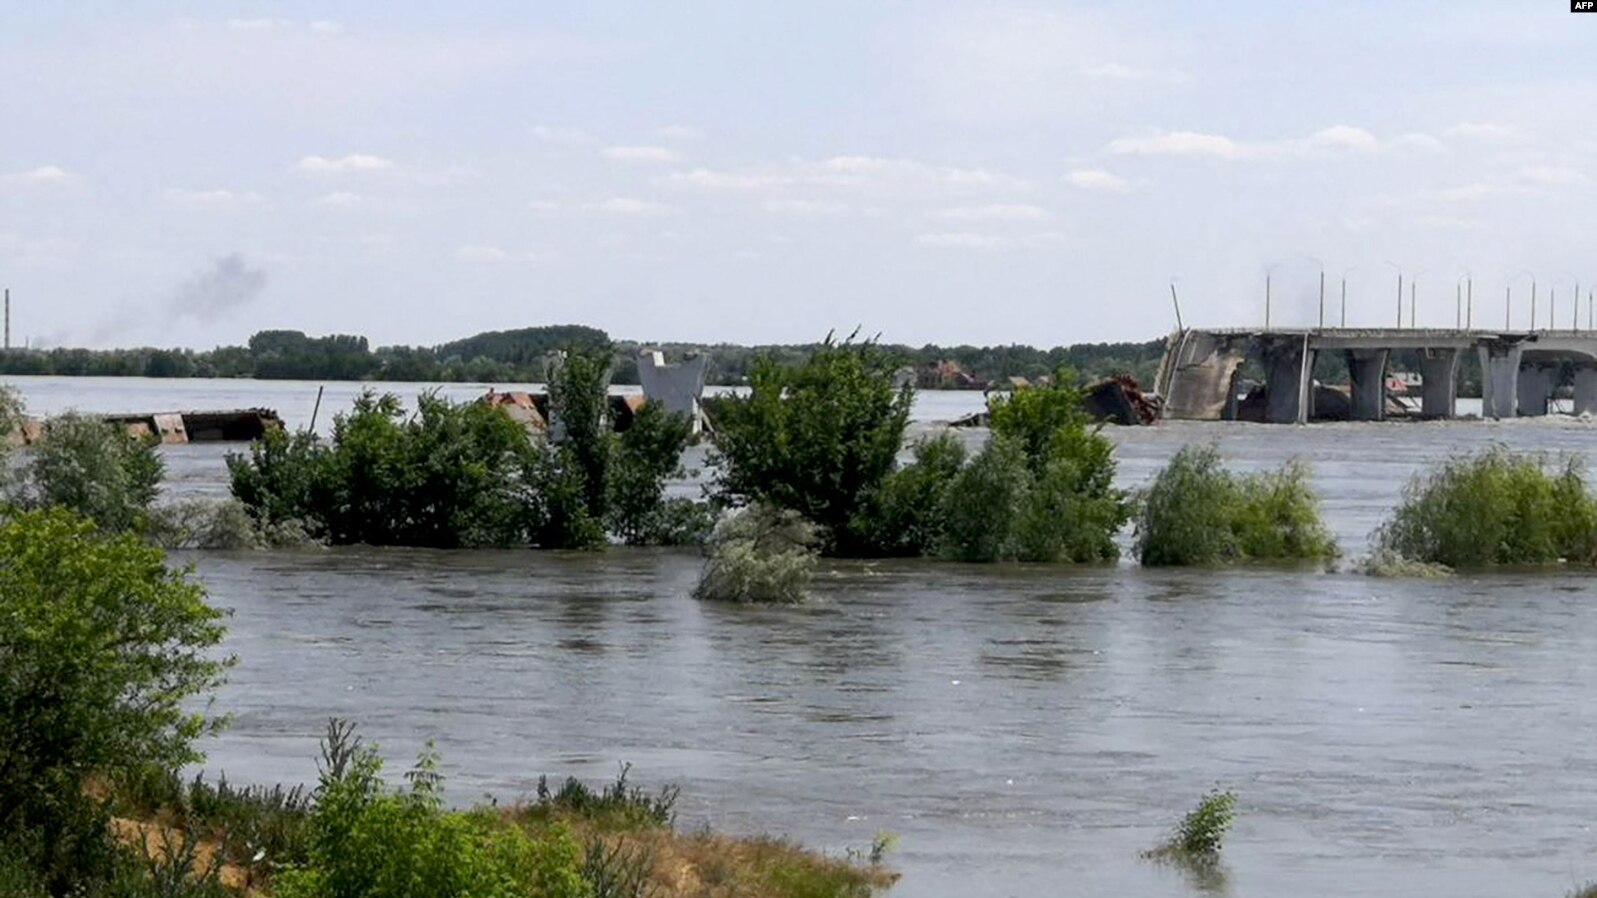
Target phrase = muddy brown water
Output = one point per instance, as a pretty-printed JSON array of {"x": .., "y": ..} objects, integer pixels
[{"x": 1023, "y": 730}]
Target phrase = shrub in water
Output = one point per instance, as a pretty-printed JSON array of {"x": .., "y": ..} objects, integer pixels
[
  {"x": 1201, "y": 832},
  {"x": 103, "y": 651},
  {"x": 983, "y": 502},
  {"x": 1043, "y": 487},
  {"x": 817, "y": 438},
  {"x": 904, "y": 517},
  {"x": 759, "y": 554},
  {"x": 1197, "y": 512},
  {"x": 1495, "y": 507},
  {"x": 649, "y": 452},
  {"x": 95, "y": 469}
]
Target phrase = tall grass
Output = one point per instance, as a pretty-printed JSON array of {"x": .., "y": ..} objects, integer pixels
[
  {"x": 1495, "y": 507},
  {"x": 1198, "y": 513}
]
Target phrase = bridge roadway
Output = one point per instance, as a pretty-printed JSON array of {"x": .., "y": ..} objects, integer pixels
[{"x": 1198, "y": 374}]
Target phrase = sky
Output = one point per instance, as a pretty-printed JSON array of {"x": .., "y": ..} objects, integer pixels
[{"x": 185, "y": 174}]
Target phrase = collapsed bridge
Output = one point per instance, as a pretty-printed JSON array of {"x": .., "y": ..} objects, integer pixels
[{"x": 1201, "y": 371}]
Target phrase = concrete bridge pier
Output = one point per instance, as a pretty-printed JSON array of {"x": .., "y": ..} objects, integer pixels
[
  {"x": 1366, "y": 370},
  {"x": 1439, "y": 391},
  {"x": 1499, "y": 379},
  {"x": 1586, "y": 390},
  {"x": 1288, "y": 364},
  {"x": 1535, "y": 389}
]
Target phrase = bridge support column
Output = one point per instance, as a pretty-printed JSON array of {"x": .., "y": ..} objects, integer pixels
[
  {"x": 1439, "y": 390},
  {"x": 1534, "y": 390},
  {"x": 1366, "y": 370},
  {"x": 1586, "y": 390},
  {"x": 1288, "y": 364},
  {"x": 1499, "y": 379}
]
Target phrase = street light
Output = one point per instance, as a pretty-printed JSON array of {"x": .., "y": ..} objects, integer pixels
[
  {"x": 1399, "y": 270},
  {"x": 1413, "y": 284},
  {"x": 1268, "y": 271},
  {"x": 1344, "y": 292},
  {"x": 1470, "y": 308},
  {"x": 1322, "y": 288}
]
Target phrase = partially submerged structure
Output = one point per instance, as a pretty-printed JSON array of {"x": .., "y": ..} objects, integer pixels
[
  {"x": 231, "y": 426},
  {"x": 1199, "y": 375}
]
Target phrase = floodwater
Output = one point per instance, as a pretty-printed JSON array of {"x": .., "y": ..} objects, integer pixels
[{"x": 1024, "y": 730}]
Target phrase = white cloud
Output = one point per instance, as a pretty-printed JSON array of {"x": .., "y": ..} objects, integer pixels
[
  {"x": 681, "y": 133},
  {"x": 487, "y": 254},
  {"x": 705, "y": 179},
  {"x": 1550, "y": 176},
  {"x": 43, "y": 176},
  {"x": 1097, "y": 179},
  {"x": 621, "y": 205},
  {"x": 261, "y": 24},
  {"x": 641, "y": 155},
  {"x": 355, "y": 162},
  {"x": 1114, "y": 71},
  {"x": 35, "y": 251},
  {"x": 543, "y": 207},
  {"x": 968, "y": 240},
  {"x": 323, "y": 26},
  {"x": 860, "y": 174},
  {"x": 995, "y": 212},
  {"x": 806, "y": 208},
  {"x": 341, "y": 199},
  {"x": 1486, "y": 131},
  {"x": 214, "y": 199},
  {"x": 1337, "y": 139},
  {"x": 563, "y": 136}
]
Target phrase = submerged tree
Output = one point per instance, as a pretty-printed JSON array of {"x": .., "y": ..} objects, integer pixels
[{"x": 817, "y": 438}]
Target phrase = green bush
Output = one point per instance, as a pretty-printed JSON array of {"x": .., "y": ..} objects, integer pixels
[
  {"x": 1043, "y": 487},
  {"x": 369, "y": 841},
  {"x": 94, "y": 469},
  {"x": 759, "y": 554},
  {"x": 983, "y": 502},
  {"x": 1196, "y": 512},
  {"x": 103, "y": 650},
  {"x": 904, "y": 516},
  {"x": 465, "y": 474},
  {"x": 817, "y": 438},
  {"x": 1495, "y": 507},
  {"x": 649, "y": 452}
]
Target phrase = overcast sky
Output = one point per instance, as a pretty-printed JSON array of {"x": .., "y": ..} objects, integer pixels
[{"x": 189, "y": 173}]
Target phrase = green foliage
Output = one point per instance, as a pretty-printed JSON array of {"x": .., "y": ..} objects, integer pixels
[
  {"x": 214, "y": 524},
  {"x": 1203, "y": 829},
  {"x": 102, "y": 651},
  {"x": 448, "y": 476},
  {"x": 369, "y": 841},
  {"x": 1495, "y": 507},
  {"x": 1196, "y": 512},
  {"x": 904, "y": 517},
  {"x": 1042, "y": 489},
  {"x": 255, "y": 825},
  {"x": 646, "y": 454},
  {"x": 817, "y": 438},
  {"x": 618, "y": 806},
  {"x": 983, "y": 502},
  {"x": 578, "y": 386},
  {"x": 95, "y": 469},
  {"x": 759, "y": 554}
]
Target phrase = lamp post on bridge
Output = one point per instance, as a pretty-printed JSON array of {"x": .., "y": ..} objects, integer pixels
[
  {"x": 1413, "y": 284},
  {"x": 1322, "y": 288},
  {"x": 1344, "y": 292},
  {"x": 1458, "y": 287},
  {"x": 1399, "y": 269},
  {"x": 1269, "y": 272}
]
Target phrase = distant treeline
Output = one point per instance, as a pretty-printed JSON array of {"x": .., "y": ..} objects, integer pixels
[{"x": 518, "y": 356}]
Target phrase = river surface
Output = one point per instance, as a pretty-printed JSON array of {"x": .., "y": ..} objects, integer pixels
[{"x": 1025, "y": 730}]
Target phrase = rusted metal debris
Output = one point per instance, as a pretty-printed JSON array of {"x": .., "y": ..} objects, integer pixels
[
  {"x": 533, "y": 412},
  {"x": 237, "y": 425},
  {"x": 1116, "y": 400}
]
